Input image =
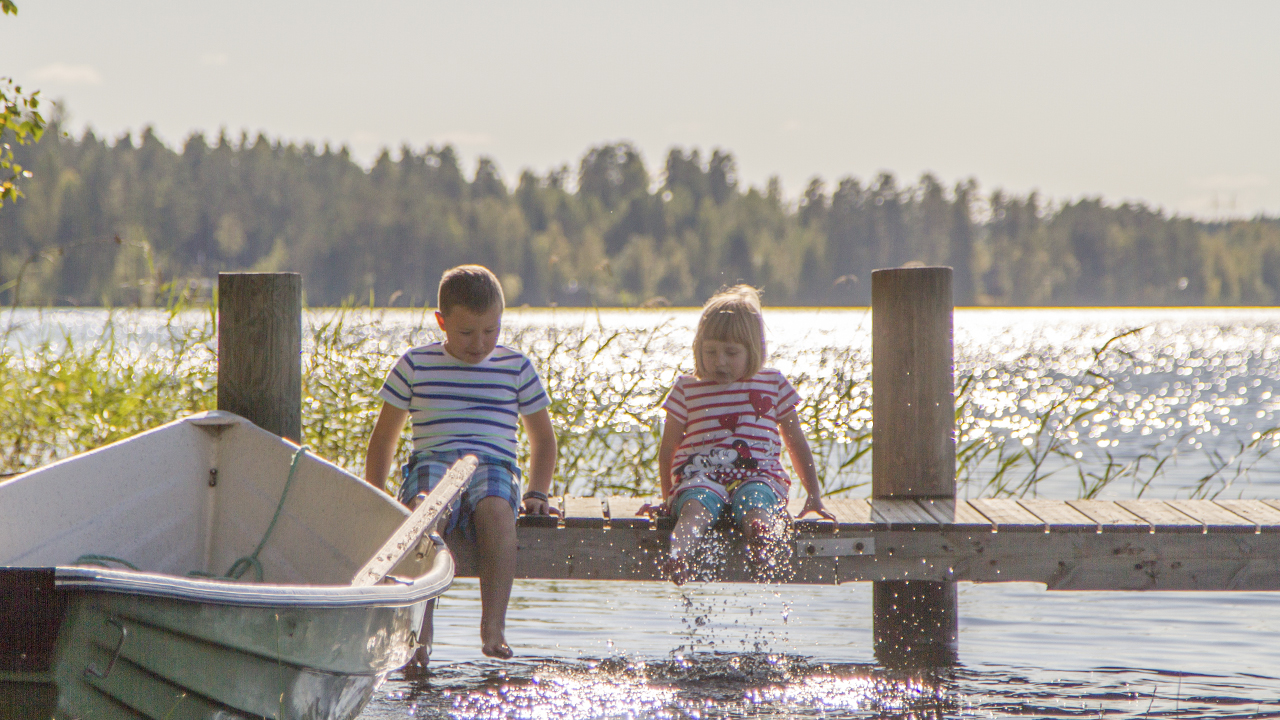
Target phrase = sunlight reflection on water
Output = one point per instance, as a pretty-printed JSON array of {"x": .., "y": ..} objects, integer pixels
[
  {"x": 636, "y": 650},
  {"x": 1202, "y": 381}
]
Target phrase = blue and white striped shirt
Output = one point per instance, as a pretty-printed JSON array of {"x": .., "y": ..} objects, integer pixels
[{"x": 458, "y": 406}]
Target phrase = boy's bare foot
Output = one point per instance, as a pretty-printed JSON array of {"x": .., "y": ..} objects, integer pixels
[
  {"x": 501, "y": 650},
  {"x": 493, "y": 643}
]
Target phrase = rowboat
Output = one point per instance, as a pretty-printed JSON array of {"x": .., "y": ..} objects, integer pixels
[{"x": 204, "y": 569}]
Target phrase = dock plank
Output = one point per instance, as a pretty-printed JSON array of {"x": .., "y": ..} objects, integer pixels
[
  {"x": 1214, "y": 517},
  {"x": 1161, "y": 516},
  {"x": 851, "y": 513},
  {"x": 1266, "y": 517},
  {"x": 1059, "y": 516},
  {"x": 902, "y": 514},
  {"x": 1007, "y": 514},
  {"x": 624, "y": 511},
  {"x": 956, "y": 515},
  {"x": 1111, "y": 517},
  {"x": 583, "y": 512}
]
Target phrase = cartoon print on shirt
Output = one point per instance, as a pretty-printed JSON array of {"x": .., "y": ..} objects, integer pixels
[
  {"x": 709, "y": 464},
  {"x": 744, "y": 460},
  {"x": 724, "y": 466}
]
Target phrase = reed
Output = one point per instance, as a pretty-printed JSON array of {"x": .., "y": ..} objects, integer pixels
[{"x": 61, "y": 396}]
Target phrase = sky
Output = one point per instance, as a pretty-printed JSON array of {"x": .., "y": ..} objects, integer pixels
[{"x": 1174, "y": 104}]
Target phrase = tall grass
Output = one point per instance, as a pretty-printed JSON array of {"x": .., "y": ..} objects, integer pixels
[{"x": 61, "y": 396}]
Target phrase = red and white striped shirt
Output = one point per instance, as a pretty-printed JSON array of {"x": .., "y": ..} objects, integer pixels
[{"x": 730, "y": 431}]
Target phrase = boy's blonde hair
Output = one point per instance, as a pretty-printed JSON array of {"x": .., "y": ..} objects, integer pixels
[
  {"x": 732, "y": 315},
  {"x": 473, "y": 287}
]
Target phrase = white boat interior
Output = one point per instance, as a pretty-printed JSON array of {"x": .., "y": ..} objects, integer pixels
[{"x": 183, "y": 503}]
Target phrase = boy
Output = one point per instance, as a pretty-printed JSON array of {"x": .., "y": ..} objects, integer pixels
[{"x": 464, "y": 395}]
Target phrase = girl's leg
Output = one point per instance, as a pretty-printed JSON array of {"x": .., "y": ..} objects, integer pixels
[
  {"x": 759, "y": 511},
  {"x": 693, "y": 521},
  {"x": 761, "y": 515}
]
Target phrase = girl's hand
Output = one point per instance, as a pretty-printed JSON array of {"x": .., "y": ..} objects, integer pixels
[
  {"x": 662, "y": 509},
  {"x": 813, "y": 504}
]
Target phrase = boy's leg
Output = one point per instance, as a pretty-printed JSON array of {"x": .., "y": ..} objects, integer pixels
[
  {"x": 425, "y": 635},
  {"x": 496, "y": 550},
  {"x": 427, "y": 632}
]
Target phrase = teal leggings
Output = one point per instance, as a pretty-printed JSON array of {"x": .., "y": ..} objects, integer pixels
[{"x": 748, "y": 496}]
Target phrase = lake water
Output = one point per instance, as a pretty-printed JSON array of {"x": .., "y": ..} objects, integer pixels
[{"x": 1194, "y": 385}]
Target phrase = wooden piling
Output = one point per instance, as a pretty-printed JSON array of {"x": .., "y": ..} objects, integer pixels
[
  {"x": 915, "y": 623},
  {"x": 260, "y": 349},
  {"x": 912, "y": 378}
]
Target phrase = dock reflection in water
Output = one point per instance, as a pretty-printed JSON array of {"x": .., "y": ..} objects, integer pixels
[{"x": 650, "y": 650}]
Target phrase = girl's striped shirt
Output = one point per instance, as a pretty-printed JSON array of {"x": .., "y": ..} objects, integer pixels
[
  {"x": 459, "y": 406},
  {"x": 731, "y": 431}
]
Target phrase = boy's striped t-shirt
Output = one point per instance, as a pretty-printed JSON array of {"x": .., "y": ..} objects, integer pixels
[
  {"x": 731, "y": 430},
  {"x": 459, "y": 406}
]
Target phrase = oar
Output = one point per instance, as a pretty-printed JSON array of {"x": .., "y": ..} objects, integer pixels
[{"x": 410, "y": 532}]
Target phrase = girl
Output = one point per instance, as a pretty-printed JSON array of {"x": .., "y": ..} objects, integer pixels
[{"x": 721, "y": 440}]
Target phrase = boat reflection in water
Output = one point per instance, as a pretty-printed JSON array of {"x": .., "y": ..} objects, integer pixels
[{"x": 111, "y": 604}]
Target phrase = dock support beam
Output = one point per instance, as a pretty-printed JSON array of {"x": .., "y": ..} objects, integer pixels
[
  {"x": 260, "y": 349},
  {"x": 913, "y": 448}
]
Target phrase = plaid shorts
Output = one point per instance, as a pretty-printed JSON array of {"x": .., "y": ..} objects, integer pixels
[{"x": 494, "y": 477}]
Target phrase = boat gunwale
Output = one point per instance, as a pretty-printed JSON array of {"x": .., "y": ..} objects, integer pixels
[{"x": 229, "y": 592}]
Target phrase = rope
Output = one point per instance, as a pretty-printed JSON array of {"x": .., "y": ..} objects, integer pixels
[
  {"x": 103, "y": 560},
  {"x": 239, "y": 567}
]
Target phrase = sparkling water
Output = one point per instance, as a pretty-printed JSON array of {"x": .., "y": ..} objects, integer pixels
[{"x": 1195, "y": 386}]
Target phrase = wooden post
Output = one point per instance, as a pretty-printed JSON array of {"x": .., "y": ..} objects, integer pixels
[
  {"x": 260, "y": 349},
  {"x": 913, "y": 451}
]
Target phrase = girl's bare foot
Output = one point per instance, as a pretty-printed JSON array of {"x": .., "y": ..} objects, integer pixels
[{"x": 678, "y": 570}]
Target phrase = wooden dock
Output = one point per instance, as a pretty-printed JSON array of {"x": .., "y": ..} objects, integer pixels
[
  {"x": 912, "y": 539},
  {"x": 1067, "y": 545}
]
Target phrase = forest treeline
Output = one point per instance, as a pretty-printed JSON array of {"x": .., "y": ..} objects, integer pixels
[{"x": 126, "y": 221}]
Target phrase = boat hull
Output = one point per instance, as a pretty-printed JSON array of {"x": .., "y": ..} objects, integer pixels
[
  {"x": 126, "y": 656},
  {"x": 166, "y": 639}
]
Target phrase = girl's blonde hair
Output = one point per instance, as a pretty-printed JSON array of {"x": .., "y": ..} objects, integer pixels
[{"x": 732, "y": 315}]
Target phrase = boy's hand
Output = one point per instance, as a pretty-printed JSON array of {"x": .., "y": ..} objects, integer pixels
[
  {"x": 539, "y": 506},
  {"x": 813, "y": 504}
]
